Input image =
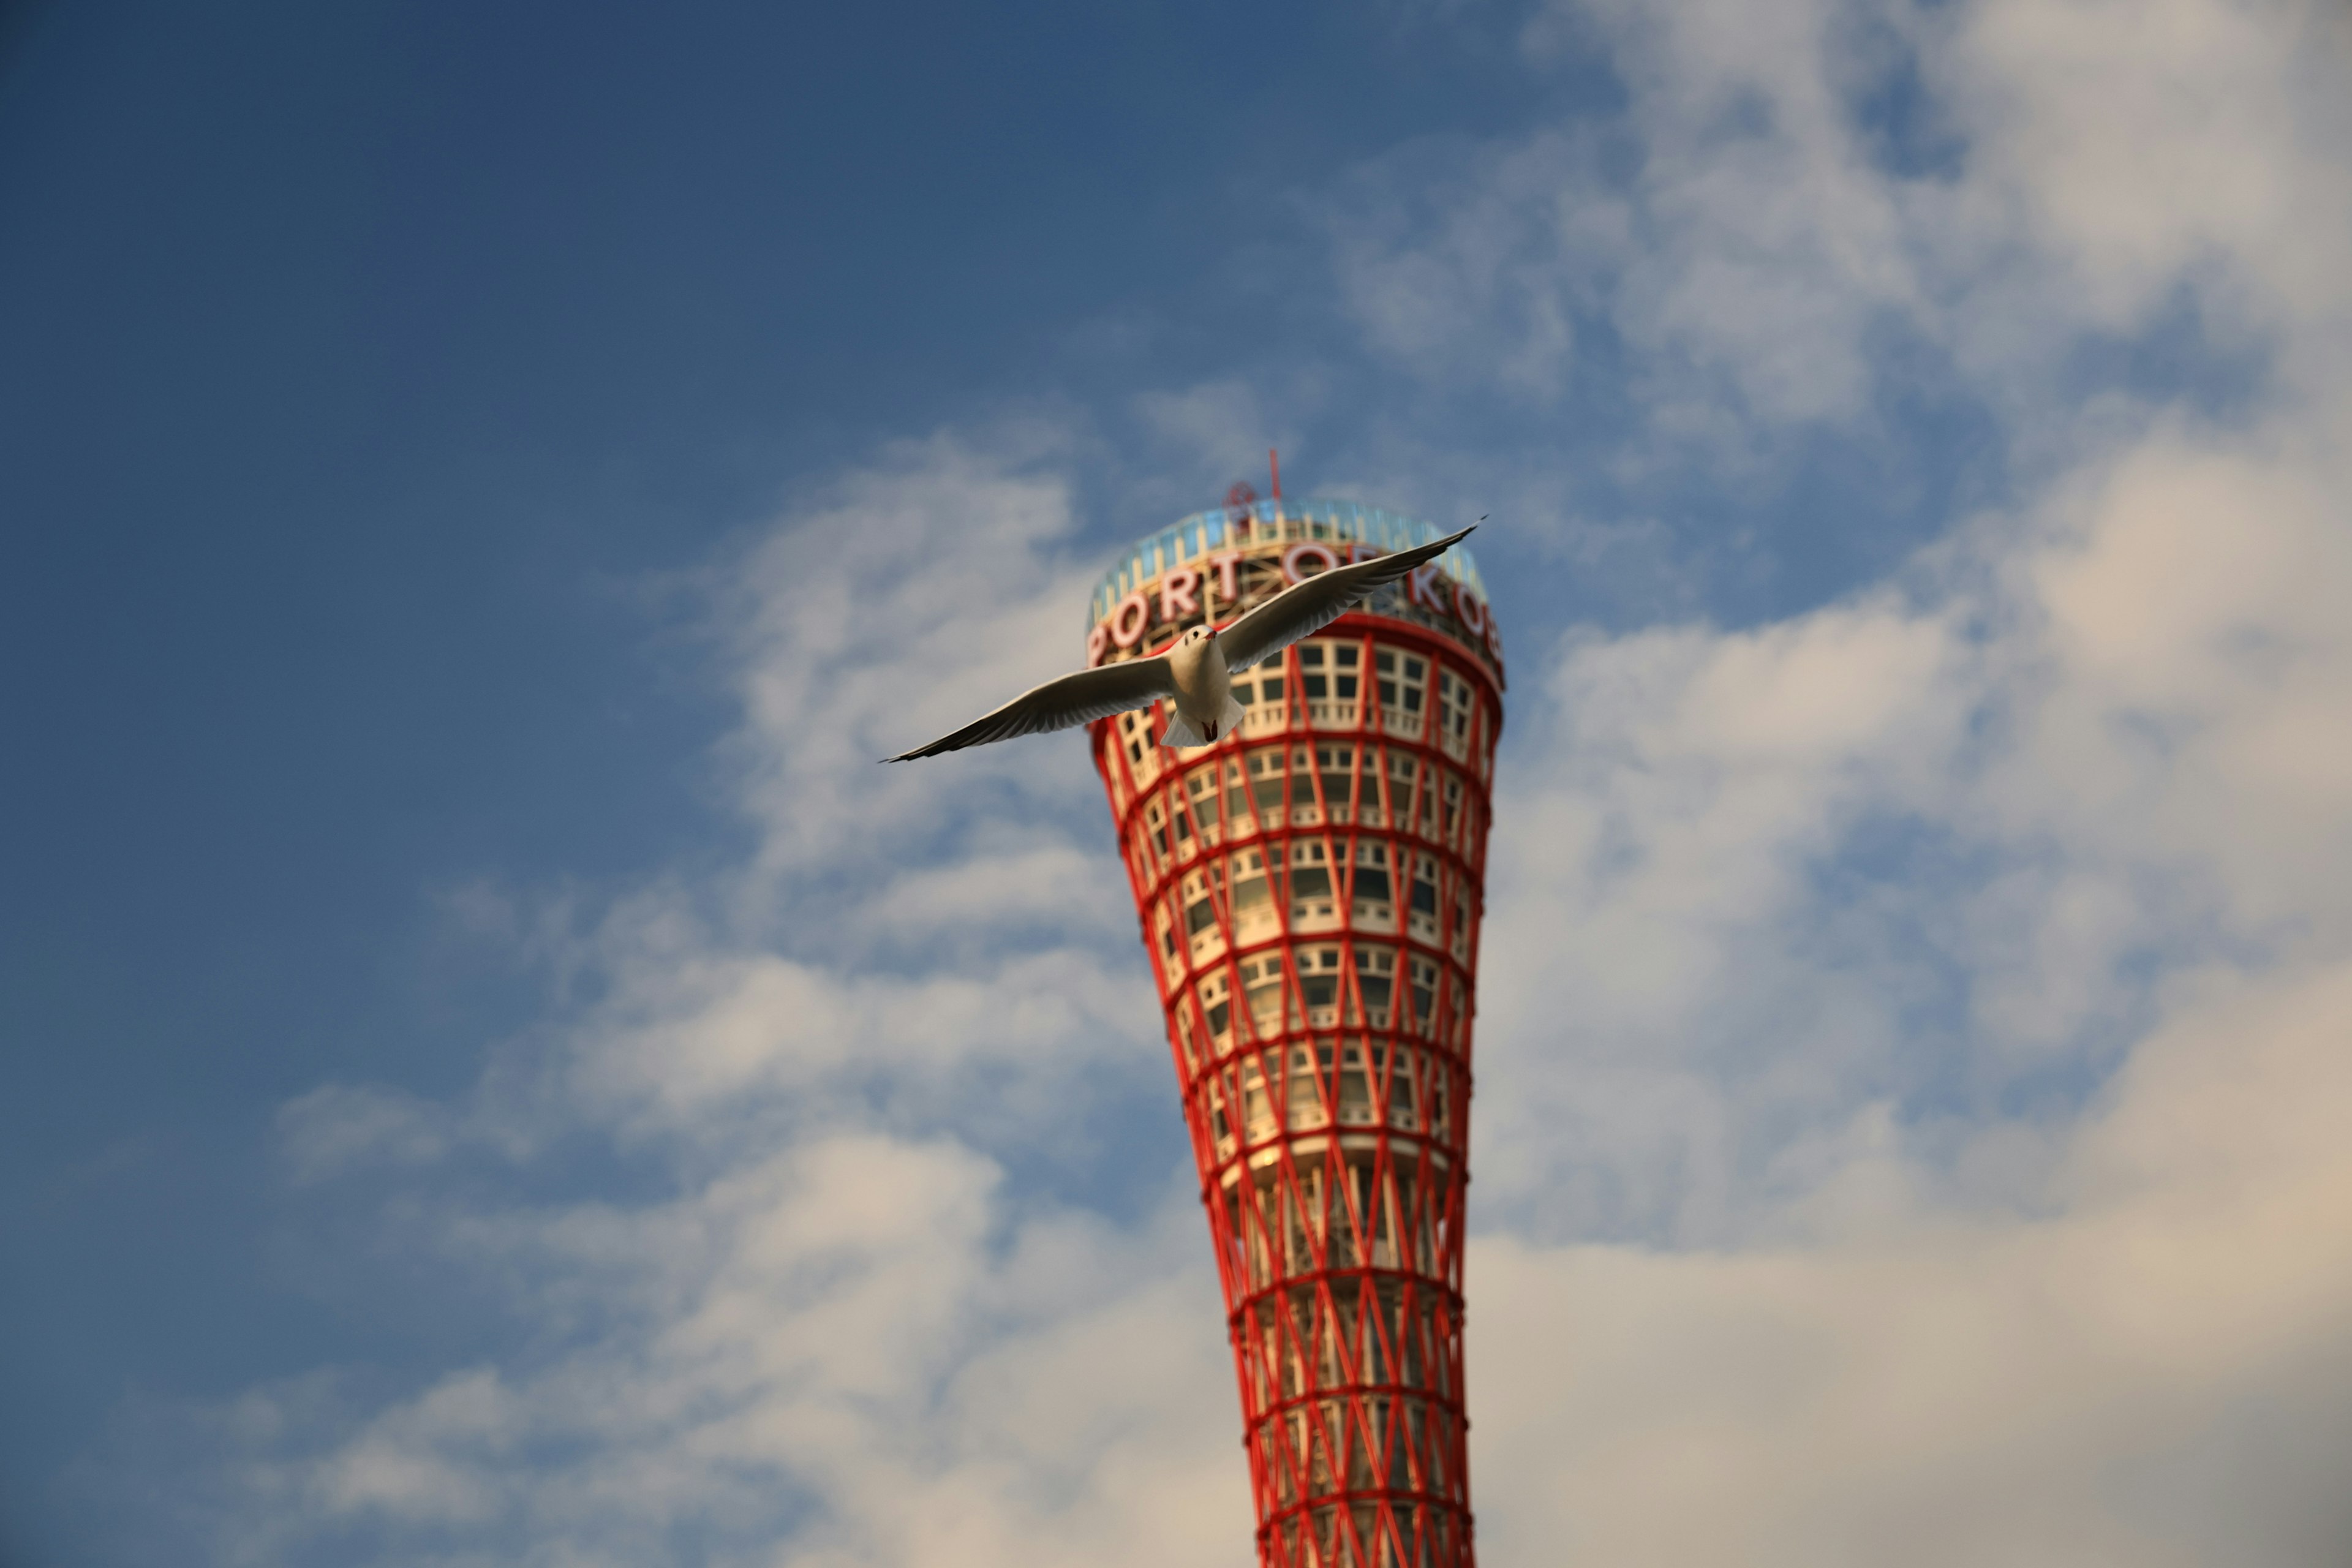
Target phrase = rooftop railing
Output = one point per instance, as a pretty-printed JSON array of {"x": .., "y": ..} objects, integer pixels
[{"x": 1205, "y": 534}]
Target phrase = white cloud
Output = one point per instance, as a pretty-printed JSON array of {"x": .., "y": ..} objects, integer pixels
[
  {"x": 2140, "y": 144},
  {"x": 1741, "y": 230},
  {"x": 337, "y": 1127},
  {"x": 841, "y": 1346},
  {"x": 2155, "y": 1375}
]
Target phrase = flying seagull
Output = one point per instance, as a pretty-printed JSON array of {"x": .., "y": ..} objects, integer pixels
[{"x": 1196, "y": 670}]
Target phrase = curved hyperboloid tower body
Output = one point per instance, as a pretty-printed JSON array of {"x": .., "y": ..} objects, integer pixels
[{"x": 1310, "y": 890}]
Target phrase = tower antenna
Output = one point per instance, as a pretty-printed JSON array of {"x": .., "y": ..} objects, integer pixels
[{"x": 1274, "y": 461}]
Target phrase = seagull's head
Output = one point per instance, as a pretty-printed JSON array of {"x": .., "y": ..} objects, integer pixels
[{"x": 1199, "y": 635}]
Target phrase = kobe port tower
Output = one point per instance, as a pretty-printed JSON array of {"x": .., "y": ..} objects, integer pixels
[{"x": 1310, "y": 888}]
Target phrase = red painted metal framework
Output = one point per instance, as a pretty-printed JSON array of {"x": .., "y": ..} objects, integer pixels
[{"x": 1310, "y": 890}]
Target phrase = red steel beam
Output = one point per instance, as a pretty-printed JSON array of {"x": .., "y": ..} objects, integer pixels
[{"x": 1334, "y": 1155}]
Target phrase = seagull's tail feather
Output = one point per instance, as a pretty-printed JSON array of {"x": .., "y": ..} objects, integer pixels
[
  {"x": 1181, "y": 730},
  {"x": 1229, "y": 722}
]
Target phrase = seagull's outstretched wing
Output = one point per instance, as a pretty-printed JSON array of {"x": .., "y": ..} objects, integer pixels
[
  {"x": 1306, "y": 608},
  {"x": 1079, "y": 699}
]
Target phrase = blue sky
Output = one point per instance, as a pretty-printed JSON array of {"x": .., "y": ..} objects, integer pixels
[{"x": 481, "y": 488}]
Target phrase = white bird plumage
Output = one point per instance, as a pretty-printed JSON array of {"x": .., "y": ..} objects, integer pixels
[{"x": 1197, "y": 670}]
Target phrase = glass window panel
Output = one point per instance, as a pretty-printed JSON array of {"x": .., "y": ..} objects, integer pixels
[
  {"x": 1424, "y": 993},
  {"x": 1264, "y": 994},
  {"x": 1375, "y": 975}
]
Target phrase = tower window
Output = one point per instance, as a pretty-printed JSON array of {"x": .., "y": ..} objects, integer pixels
[
  {"x": 1269, "y": 785},
  {"x": 1402, "y": 679},
  {"x": 1424, "y": 889},
  {"x": 1250, "y": 890},
  {"x": 1455, "y": 693},
  {"x": 1313, "y": 684},
  {"x": 1425, "y": 994},
  {"x": 1310, "y": 880},
  {"x": 1237, "y": 797},
  {"x": 1319, "y": 975},
  {"x": 1403, "y": 768},
  {"x": 1376, "y": 979},
  {"x": 1337, "y": 768},
  {"x": 1262, "y": 988},
  {"x": 1216, "y": 1003},
  {"x": 1203, "y": 787}
]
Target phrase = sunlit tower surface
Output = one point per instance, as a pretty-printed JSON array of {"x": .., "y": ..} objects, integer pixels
[{"x": 1310, "y": 890}]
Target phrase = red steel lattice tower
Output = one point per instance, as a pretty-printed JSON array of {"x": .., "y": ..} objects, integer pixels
[{"x": 1310, "y": 890}]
